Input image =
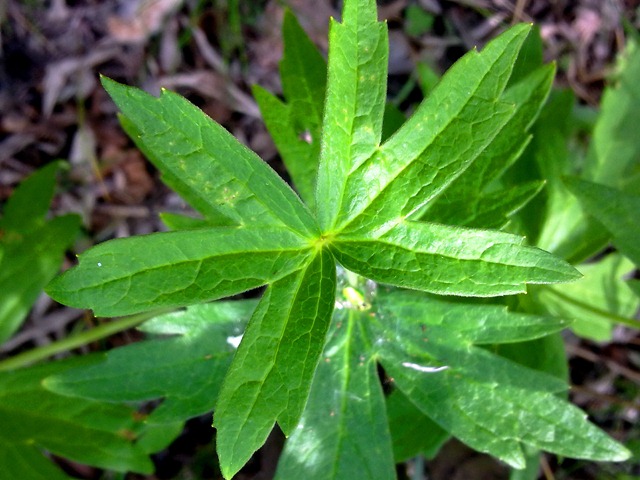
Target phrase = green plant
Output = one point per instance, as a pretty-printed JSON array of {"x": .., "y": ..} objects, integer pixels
[
  {"x": 31, "y": 252},
  {"x": 31, "y": 247},
  {"x": 369, "y": 271}
]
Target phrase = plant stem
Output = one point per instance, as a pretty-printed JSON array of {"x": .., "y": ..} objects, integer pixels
[
  {"x": 78, "y": 340},
  {"x": 418, "y": 468}
]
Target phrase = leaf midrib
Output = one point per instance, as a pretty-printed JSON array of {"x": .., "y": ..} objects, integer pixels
[
  {"x": 345, "y": 182},
  {"x": 272, "y": 363},
  {"x": 381, "y": 149},
  {"x": 204, "y": 122},
  {"x": 186, "y": 262}
]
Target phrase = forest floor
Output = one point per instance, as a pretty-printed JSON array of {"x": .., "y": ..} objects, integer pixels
[{"x": 52, "y": 107}]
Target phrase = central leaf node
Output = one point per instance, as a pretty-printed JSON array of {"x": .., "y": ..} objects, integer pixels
[{"x": 323, "y": 241}]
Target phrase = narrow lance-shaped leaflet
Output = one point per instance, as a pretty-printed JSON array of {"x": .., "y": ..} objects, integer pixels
[
  {"x": 271, "y": 373},
  {"x": 354, "y": 106}
]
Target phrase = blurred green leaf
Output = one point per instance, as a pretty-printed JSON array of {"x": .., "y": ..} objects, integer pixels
[
  {"x": 184, "y": 366},
  {"x": 35, "y": 420},
  {"x": 417, "y": 21},
  {"x": 27, "y": 207},
  {"x": 592, "y": 301},
  {"x": 615, "y": 147},
  {"x": 612, "y": 158},
  {"x": 31, "y": 248},
  {"x": 616, "y": 210}
]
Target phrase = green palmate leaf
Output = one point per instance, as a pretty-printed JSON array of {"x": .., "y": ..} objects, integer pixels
[
  {"x": 179, "y": 268},
  {"x": 449, "y": 260},
  {"x": 354, "y": 106},
  {"x": 447, "y": 132},
  {"x": 205, "y": 164},
  {"x": 31, "y": 249},
  {"x": 185, "y": 369},
  {"x": 295, "y": 125},
  {"x": 486, "y": 401},
  {"x": 36, "y": 420},
  {"x": 617, "y": 211},
  {"x": 271, "y": 373},
  {"x": 364, "y": 193},
  {"x": 343, "y": 432},
  {"x": 596, "y": 300}
]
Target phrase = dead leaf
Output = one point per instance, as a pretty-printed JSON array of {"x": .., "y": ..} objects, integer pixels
[{"x": 142, "y": 19}]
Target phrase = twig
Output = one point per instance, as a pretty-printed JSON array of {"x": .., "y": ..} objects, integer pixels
[{"x": 611, "y": 365}]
